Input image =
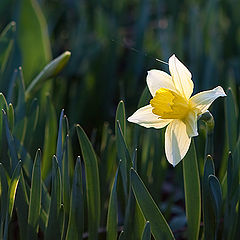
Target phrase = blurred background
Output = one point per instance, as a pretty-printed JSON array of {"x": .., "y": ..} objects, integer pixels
[{"x": 114, "y": 43}]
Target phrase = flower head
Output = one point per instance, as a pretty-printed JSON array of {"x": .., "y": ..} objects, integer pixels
[{"x": 173, "y": 106}]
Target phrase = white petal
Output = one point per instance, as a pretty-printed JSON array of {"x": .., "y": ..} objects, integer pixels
[
  {"x": 144, "y": 117},
  {"x": 191, "y": 123},
  {"x": 182, "y": 78},
  {"x": 158, "y": 79},
  {"x": 204, "y": 99},
  {"x": 177, "y": 142}
]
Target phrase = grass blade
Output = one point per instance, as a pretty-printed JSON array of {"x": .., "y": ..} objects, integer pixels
[
  {"x": 124, "y": 156},
  {"x": 59, "y": 152},
  {"x": 76, "y": 218},
  {"x": 146, "y": 232},
  {"x": 192, "y": 192},
  {"x": 92, "y": 183},
  {"x": 11, "y": 196},
  {"x": 160, "y": 228},
  {"x": 208, "y": 212},
  {"x": 35, "y": 198},
  {"x": 112, "y": 212},
  {"x": 53, "y": 230},
  {"x": 4, "y": 196},
  {"x": 49, "y": 139}
]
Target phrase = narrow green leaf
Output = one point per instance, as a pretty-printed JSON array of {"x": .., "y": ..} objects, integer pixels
[
  {"x": 146, "y": 232},
  {"x": 112, "y": 215},
  {"x": 129, "y": 221},
  {"x": 66, "y": 177},
  {"x": 76, "y": 218},
  {"x": 13, "y": 187},
  {"x": 49, "y": 139},
  {"x": 10, "y": 141},
  {"x": 20, "y": 111},
  {"x": 22, "y": 205},
  {"x": 124, "y": 156},
  {"x": 4, "y": 196},
  {"x": 151, "y": 212},
  {"x": 53, "y": 230},
  {"x": 208, "y": 211},
  {"x": 10, "y": 114},
  {"x": 11, "y": 196},
  {"x": 192, "y": 192},
  {"x": 216, "y": 195},
  {"x": 35, "y": 198},
  {"x": 4, "y": 106},
  {"x": 92, "y": 183},
  {"x": 120, "y": 116},
  {"x": 122, "y": 151},
  {"x": 59, "y": 152}
]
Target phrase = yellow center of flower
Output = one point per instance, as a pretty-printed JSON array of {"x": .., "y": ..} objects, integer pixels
[{"x": 170, "y": 105}]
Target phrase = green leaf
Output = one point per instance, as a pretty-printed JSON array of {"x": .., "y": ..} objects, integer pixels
[
  {"x": 146, "y": 232},
  {"x": 4, "y": 106},
  {"x": 33, "y": 40},
  {"x": 208, "y": 211},
  {"x": 120, "y": 116},
  {"x": 10, "y": 141},
  {"x": 35, "y": 198},
  {"x": 92, "y": 183},
  {"x": 112, "y": 216},
  {"x": 122, "y": 151},
  {"x": 50, "y": 70},
  {"x": 10, "y": 114},
  {"x": 159, "y": 226},
  {"x": 124, "y": 156},
  {"x": 59, "y": 152},
  {"x": 231, "y": 119},
  {"x": 4, "y": 196},
  {"x": 216, "y": 195},
  {"x": 11, "y": 196},
  {"x": 22, "y": 206},
  {"x": 53, "y": 230},
  {"x": 20, "y": 111},
  {"x": 192, "y": 192},
  {"x": 65, "y": 176},
  {"x": 76, "y": 218},
  {"x": 49, "y": 139}
]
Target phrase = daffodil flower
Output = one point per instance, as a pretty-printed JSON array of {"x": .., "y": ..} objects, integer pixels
[{"x": 173, "y": 106}]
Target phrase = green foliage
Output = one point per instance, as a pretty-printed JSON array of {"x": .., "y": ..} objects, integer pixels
[{"x": 192, "y": 192}]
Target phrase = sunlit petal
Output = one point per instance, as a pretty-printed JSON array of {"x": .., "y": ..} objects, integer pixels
[
  {"x": 204, "y": 99},
  {"x": 181, "y": 76},
  {"x": 177, "y": 141},
  {"x": 158, "y": 79},
  {"x": 191, "y": 123},
  {"x": 144, "y": 117}
]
